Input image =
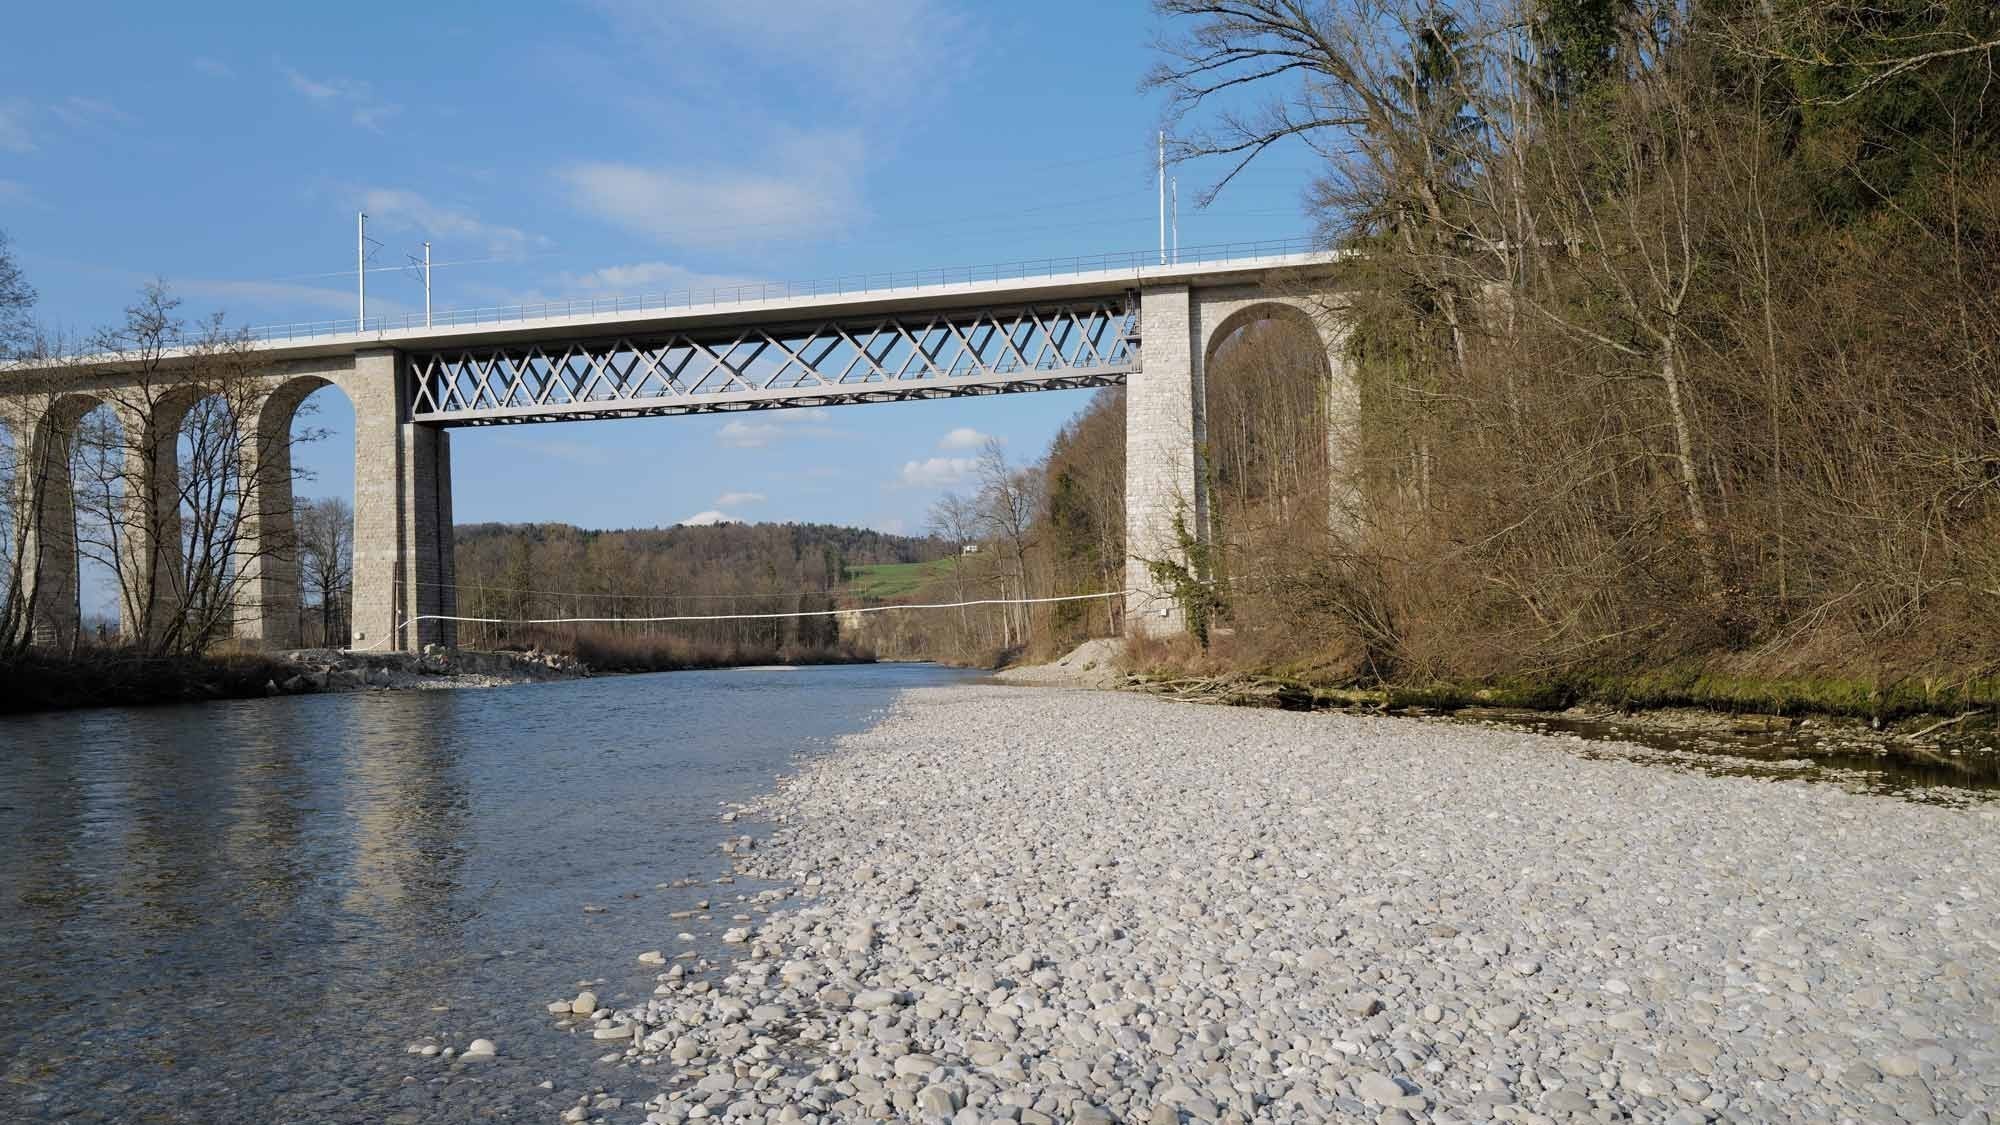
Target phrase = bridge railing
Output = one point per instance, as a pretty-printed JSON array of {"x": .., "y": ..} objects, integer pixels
[{"x": 757, "y": 291}]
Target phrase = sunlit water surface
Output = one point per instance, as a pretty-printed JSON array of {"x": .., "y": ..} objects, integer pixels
[{"x": 247, "y": 911}]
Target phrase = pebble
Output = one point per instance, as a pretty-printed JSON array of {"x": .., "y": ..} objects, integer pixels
[
  {"x": 1034, "y": 906},
  {"x": 1379, "y": 1088},
  {"x": 1900, "y": 1066},
  {"x": 940, "y": 1101}
]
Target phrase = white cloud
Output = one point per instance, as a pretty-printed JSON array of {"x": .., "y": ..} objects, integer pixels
[
  {"x": 15, "y": 192},
  {"x": 397, "y": 209},
  {"x": 650, "y": 277},
  {"x": 14, "y": 135},
  {"x": 638, "y": 275},
  {"x": 709, "y": 518},
  {"x": 737, "y": 499},
  {"x": 639, "y": 279},
  {"x": 936, "y": 472},
  {"x": 74, "y": 112},
  {"x": 357, "y": 98},
  {"x": 874, "y": 53},
  {"x": 317, "y": 91},
  {"x": 579, "y": 452},
  {"x": 774, "y": 425},
  {"x": 965, "y": 437},
  {"x": 279, "y": 293},
  {"x": 214, "y": 68},
  {"x": 747, "y": 435},
  {"x": 811, "y": 186},
  {"x": 80, "y": 112}
]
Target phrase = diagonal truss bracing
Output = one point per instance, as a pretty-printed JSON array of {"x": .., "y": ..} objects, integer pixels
[{"x": 912, "y": 355}]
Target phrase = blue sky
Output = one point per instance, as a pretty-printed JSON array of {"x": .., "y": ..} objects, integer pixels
[{"x": 597, "y": 148}]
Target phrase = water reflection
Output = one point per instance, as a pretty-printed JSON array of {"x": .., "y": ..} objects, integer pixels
[
  {"x": 265, "y": 804},
  {"x": 244, "y": 911},
  {"x": 407, "y": 800}
]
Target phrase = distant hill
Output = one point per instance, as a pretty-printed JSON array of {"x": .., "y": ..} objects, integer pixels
[
  {"x": 732, "y": 544},
  {"x": 639, "y": 599},
  {"x": 543, "y": 571}
]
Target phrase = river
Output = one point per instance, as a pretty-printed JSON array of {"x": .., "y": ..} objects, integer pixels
[{"x": 248, "y": 911}]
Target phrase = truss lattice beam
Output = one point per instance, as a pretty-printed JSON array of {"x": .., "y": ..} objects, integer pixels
[{"x": 931, "y": 354}]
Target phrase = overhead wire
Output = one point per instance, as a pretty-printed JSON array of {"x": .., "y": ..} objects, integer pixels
[{"x": 482, "y": 588}]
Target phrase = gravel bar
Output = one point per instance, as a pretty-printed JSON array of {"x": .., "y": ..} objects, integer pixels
[{"x": 1045, "y": 905}]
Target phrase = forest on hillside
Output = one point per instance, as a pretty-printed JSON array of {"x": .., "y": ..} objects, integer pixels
[
  {"x": 524, "y": 572},
  {"x": 1676, "y": 328}
]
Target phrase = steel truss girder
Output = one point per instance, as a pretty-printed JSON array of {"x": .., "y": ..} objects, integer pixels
[
  {"x": 670, "y": 408},
  {"x": 895, "y": 357}
]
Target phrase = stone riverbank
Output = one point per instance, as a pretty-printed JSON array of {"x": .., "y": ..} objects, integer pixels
[
  {"x": 320, "y": 669},
  {"x": 1037, "y": 905}
]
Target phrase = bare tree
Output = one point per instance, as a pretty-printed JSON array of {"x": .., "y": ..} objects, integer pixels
[
  {"x": 17, "y": 299},
  {"x": 176, "y": 486},
  {"x": 1009, "y": 500},
  {"x": 954, "y": 519},
  {"x": 326, "y": 556}
]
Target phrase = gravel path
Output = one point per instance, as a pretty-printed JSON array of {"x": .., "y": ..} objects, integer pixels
[{"x": 1040, "y": 905}]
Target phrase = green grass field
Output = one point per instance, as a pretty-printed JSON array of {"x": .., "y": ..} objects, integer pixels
[{"x": 881, "y": 581}]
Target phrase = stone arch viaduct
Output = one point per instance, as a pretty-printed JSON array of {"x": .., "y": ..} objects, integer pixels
[{"x": 1152, "y": 328}]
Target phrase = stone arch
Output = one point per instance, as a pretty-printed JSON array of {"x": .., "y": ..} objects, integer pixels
[
  {"x": 1236, "y": 315},
  {"x": 271, "y": 586},
  {"x": 1224, "y": 313},
  {"x": 9, "y": 496},
  {"x": 156, "y": 557},
  {"x": 46, "y": 511}
]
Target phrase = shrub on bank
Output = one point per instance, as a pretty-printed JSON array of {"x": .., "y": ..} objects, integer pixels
[
  {"x": 108, "y": 677},
  {"x": 1717, "y": 686}
]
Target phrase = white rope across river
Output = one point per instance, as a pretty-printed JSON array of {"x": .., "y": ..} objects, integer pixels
[{"x": 753, "y": 616}]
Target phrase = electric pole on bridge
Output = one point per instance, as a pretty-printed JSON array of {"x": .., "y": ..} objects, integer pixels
[
  {"x": 424, "y": 264},
  {"x": 361, "y": 271},
  {"x": 1163, "y": 197}
]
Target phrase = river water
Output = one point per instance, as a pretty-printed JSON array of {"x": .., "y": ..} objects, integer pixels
[{"x": 248, "y": 911}]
